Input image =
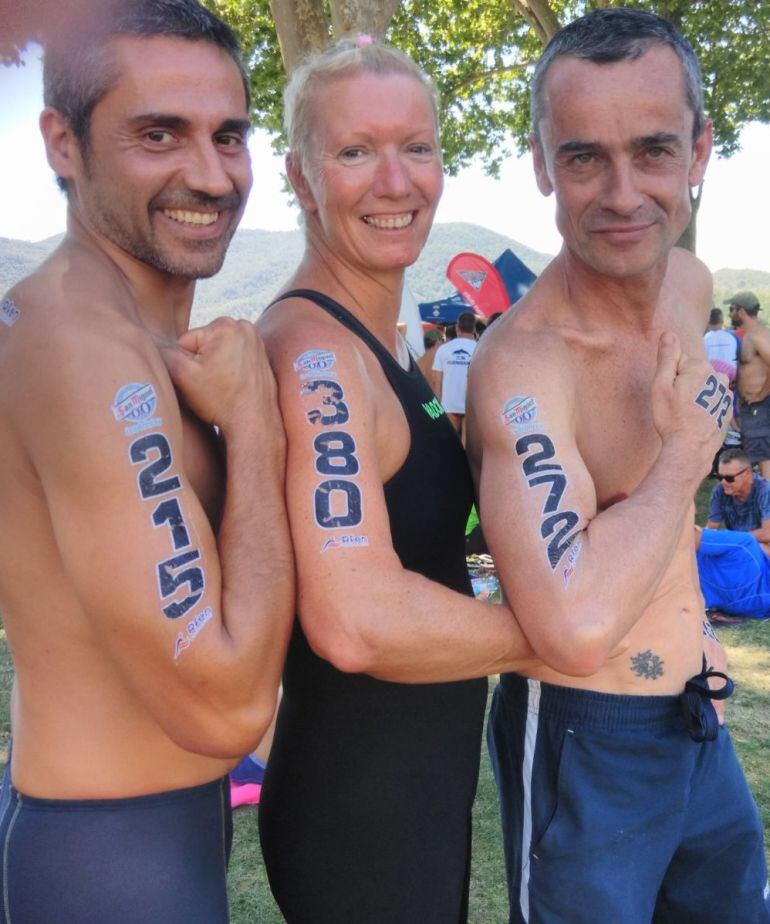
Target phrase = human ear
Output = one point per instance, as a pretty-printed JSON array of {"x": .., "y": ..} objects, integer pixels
[
  {"x": 299, "y": 183},
  {"x": 61, "y": 147},
  {"x": 701, "y": 151},
  {"x": 544, "y": 183}
]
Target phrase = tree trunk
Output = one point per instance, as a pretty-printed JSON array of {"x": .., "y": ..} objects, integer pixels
[
  {"x": 687, "y": 240},
  {"x": 541, "y": 18},
  {"x": 351, "y": 17},
  {"x": 301, "y": 27}
]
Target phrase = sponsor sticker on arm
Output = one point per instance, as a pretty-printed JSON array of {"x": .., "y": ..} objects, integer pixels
[
  {"x": 313, "y": 363},
  {"x": 519, "y": 413},
  {"x": 9, "y": 313}
]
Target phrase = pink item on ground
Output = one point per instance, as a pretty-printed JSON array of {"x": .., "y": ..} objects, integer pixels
[{"x": 245, "y": 794}]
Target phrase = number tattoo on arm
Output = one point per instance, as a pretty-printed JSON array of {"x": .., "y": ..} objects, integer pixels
[
  {"x": 540, "y": 467},
  {"x": 155, "y": 448},
  {"x": 721, "y": 404},
  {"x": 335, "y": 456}
]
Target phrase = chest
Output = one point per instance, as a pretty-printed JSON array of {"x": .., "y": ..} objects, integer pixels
[
  {"x": 748, "y": 349},
  {"x": 614, "y": 424}
]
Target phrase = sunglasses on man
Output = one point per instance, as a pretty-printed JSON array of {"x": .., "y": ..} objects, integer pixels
[{"x": 731, "y": 478}]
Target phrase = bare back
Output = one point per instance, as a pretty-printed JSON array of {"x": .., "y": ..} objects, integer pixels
[{"x": 78, "y": 541}]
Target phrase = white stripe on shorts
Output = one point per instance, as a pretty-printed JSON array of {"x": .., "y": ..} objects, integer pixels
[{"x": 530, "y": 738}]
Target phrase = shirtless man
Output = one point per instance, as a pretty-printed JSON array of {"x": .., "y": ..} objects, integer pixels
[
  {"x": 594, "y": 416},
  {"x": 753, "y": 379},
  {"x": 147, "y": 652}
]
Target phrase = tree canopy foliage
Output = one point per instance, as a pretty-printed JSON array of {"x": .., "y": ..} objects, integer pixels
[{"x": 479, "y": 52}]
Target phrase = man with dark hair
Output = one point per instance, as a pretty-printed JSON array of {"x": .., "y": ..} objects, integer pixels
[
  {"x": 741, "y": 500},
  {"x": 721, "y": 344},
  {"x": 451, "y": 364},
  {"x": 753, "y": 379},
  {"x": 593, "y": 416},
  {"x": 147, "y": 651}
]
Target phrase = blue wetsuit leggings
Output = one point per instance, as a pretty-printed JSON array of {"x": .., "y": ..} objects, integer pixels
[
  {"x": 157, "y": 859},
  {"x": 614, "y": 814}
]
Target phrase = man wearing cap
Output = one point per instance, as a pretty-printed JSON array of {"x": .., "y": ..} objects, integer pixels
[{"x": 753, "y": 379}]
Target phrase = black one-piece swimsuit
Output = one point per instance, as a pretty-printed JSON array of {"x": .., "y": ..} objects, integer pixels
[{"x": 366, "y": 805}]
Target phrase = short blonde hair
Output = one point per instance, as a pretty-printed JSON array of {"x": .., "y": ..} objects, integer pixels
[{"x": 361, "y": 55}]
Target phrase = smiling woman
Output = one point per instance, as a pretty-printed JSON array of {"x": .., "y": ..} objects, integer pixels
[{"x": 365, "y": 812}]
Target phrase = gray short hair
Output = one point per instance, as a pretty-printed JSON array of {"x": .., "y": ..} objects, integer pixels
[
  {"x": 609, "y": 35},
  {"x": 346, "y": 58},
  {"x": 733, "y": 455},
  {"x": 77, "y": 67}
]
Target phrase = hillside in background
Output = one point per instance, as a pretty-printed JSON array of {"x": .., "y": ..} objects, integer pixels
[
  {"x": 729, "y": 281},
  {"x": 258, "y": 263}
]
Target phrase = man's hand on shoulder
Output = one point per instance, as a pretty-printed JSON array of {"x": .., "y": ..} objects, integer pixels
[{"x": 221, "y": 370}]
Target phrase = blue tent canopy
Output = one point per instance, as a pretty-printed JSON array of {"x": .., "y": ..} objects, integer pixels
[
  {"x": 517, "y": 278},
  {"x": 444, "y": 310}
]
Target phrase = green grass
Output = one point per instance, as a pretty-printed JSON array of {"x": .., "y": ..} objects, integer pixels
[{"x": 748, "y": 649}]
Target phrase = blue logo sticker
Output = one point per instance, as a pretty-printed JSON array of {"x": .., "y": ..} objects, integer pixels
[
  {"x": 135, "y": 404},
  {"x": 519, "y": 412},
  {"x": 345, "y": 542},
  {"x": 311, "y": 362},
  {"x": 192, "y": 631},
  {"x": 9, "y": 313}
]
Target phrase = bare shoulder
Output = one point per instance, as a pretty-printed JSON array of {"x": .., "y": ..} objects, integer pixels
[
  {"x": 301, "y": 338},
  {"x": 691, "y": 283},
  {"x": 64, "y": 356},
  {"x": 683, "y": 264},
  {"x": 522, "y": 347}
]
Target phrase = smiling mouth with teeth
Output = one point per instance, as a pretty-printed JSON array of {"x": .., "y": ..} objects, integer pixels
[
  {"x": 391, "y": 223},
  {"x": 191, "y": 218}
]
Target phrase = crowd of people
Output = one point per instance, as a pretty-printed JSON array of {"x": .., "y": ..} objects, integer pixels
[
  {"x": 734, "y": 564},
  {"x": 193, "y": 517}
]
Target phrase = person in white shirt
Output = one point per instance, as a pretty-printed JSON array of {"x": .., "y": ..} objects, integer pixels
[
  {"x": 451, "y": 365},
  {"x": 720, "y": 343}
]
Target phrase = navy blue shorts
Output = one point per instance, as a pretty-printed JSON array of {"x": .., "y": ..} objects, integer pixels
[
  {"x": 157, "y": 859},
  {"x": 755, "y": 430},
  {"x": 613, "y": 814}
]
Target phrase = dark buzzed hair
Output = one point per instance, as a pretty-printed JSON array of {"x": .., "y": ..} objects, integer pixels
[
  {"x": 77, "y": 70},
  {"x": 734, "y": 455},
  {"x": 466, "y": 322},
  {"x": 609, "y": 35},
  {"x": 716, "y": 316}
]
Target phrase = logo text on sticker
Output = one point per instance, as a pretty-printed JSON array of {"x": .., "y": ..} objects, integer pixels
[
  {"x": 314, "y": 361},
  {"x": 345, "y": 542},
  {"x": 135, "y": 404},
  {"x": 519, "y": 412},
  {"x": 572, "y": 557},
  {"x": 192, "y": 631},
  {"x": 9, "y": 313}
]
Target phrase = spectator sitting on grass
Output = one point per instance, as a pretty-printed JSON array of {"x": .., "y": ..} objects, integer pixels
[
  {"x": 734, "y": 575},
  {"x": 741, "y": 500}
]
